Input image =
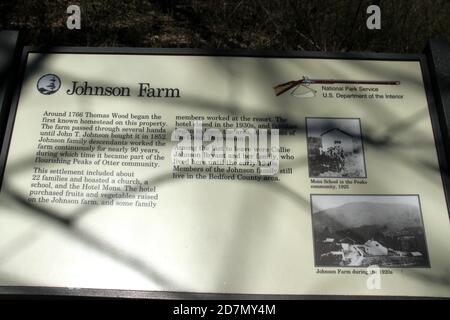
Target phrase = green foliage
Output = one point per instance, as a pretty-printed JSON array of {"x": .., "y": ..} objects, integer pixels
[{"x": 320, "y": 25}]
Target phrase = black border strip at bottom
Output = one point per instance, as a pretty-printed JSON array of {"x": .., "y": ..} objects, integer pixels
[{"x": 60, "y": 292}]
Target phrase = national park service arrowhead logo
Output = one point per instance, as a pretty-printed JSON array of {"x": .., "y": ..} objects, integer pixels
[{"x": 48, "y": 84}]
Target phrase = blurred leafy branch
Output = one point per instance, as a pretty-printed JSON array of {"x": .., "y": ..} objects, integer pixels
[{"x": 319, "y": 25}]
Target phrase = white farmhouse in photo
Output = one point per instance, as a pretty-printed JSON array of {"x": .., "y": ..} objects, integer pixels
[{"x": 338, "y": 138}]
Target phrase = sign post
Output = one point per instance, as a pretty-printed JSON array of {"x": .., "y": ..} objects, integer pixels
[
  {"x": 9, "y": 52},
  {"x": 438, "y": 53}
]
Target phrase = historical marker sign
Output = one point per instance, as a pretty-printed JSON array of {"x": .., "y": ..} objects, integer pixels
[{"x": 98, "y": 192}]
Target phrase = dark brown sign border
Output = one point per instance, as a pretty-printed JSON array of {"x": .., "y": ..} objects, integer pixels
[{"x": 8, "y": 126}]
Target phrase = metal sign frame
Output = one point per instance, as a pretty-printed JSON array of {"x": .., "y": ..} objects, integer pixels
[{"x": 7, "y": 118}]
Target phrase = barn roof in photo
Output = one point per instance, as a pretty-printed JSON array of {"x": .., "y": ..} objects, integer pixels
[{"x": 336, "y": 129}]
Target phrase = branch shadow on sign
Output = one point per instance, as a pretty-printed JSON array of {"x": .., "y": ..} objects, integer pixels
[{"x": 227, "y": 273}]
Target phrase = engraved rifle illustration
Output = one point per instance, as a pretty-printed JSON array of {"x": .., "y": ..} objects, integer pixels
[{"x": 301, "y": 88}]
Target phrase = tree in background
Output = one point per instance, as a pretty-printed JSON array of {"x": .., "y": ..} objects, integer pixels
[{"x": 319, "y": 25}]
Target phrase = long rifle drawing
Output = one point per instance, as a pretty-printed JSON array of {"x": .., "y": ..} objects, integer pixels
[{"x": 305, "y": 82}]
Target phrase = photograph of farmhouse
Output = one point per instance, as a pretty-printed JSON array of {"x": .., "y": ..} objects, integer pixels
[
  {"x": 360, "y": 230},
  {"x": 335, "y": 148}
]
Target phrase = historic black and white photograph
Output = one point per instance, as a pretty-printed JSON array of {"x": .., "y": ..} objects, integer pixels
[
  {"x": 364, "y": 230},
  {"x": 335, "y": 148}
]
